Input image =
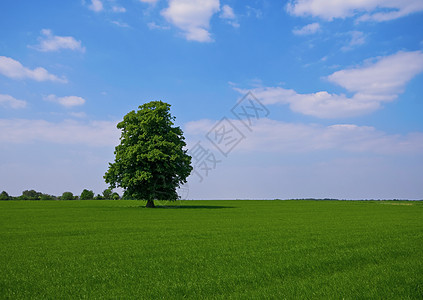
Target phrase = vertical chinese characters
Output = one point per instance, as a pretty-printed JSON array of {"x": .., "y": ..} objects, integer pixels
[{"x": 225, "y": 136}]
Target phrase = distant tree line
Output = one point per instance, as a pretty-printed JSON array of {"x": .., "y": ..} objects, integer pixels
[{"x": 107, "y": 194}]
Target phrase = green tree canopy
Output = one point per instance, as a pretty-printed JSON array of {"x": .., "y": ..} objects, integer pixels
[
  {"x": 30, "y": 195},
  {"x": 67, "y": 196},
  {"x": 47, "y": 197},
  {"x": 5, "y": 196},
  {"x": 86, "y": 195},
  {"x": 107, "y": 194},
  {"x": 150, "y": 161}
]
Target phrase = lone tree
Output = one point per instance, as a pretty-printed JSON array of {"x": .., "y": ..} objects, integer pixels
[{"x": 150, "y": 161}]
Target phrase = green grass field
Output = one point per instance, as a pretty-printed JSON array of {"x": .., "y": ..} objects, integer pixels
[{"x": 211, "y": 249}]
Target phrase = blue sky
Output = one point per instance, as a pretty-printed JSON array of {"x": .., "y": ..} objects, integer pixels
[{"x": 341, "y": 84}]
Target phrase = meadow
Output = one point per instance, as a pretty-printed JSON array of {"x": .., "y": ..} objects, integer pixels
[{"x": 211, "y": 249}]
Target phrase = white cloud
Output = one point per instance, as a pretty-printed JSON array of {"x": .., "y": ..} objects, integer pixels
[
  {"x": 149, "y": 1},
  {"x": 118, "y": 9},
  {"x": 357, "y": 38},
  {"x": 228, "y": 14},
  {"x": 94, "y": 133},
  {"x": 307, "y": 29},
  {"x": 153, "y": 25},
  {"x": 376, "y": 10},
  {"x": 50, "y": 42},
  {"x": 121, "y": 24},
  {"x": 386, "y": 78},
  {"x": 372, "y": 85},
  {"x": 192, "y": 17},
  {"x": 96, "y": 5},
  {"x": 9, "y": 101},
  {"x": 320, "y": 104},
  {"x": 68, "y": 101},
  {"x": 280, "y": 137},
  {"x": 80, "y": 114},
  {"x": 234, "y": 24},
  {"x": 14, "y": 69},
  {"x": 254, "y": 12}
]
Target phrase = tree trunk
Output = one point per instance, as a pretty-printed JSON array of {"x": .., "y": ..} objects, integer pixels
[{"x": 150, "y": 204}]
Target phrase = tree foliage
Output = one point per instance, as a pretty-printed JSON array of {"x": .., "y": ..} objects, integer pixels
[
  {"x": 5, "y": 196},
  {"x": 47, "y": 197},
  {"x": 150, "y": 161},
  {"x": 107, "y": 194},
  {"x": 67, "y": 196},
  {"x": 30, "y": 195},
  {"x": 87, "y": 195}
]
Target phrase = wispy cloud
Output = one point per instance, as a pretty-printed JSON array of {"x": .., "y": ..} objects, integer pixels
[
  {"x": 153, "y": 25},
  {"x": 320, "y": 104},
  {"x": 9, "y": 101},
  {"x": 253, "y": 12},
  {"x": 14, "y": 69},
  {"x": 307, "y": 29},
  {"x": 385, "y": 78},
  {"x": 228, "y": 14},
  {"x": 281, "y": 137},
  {"x": 371, "y": 83},
  {"x": 96, "y": 5},
  {"x": 371, "y": 10},
  {"x": 68, "y": 101},
  {"x": 118, "y": 9},
  {"x": 192, "y": 17},
  {"x": 80, "y": 114},
  {"x": 357, "y": 38},
  {"x": 50, "y": 42},
  {"x": 94, "y": 133},
  {"x": 121, "y": 24}
]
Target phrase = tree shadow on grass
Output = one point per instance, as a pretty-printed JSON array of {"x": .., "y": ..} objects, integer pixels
[
  {"x": 180, "y": 204},
  {"x": 193, "y": 206},
  {"x": 184, "y": 207}
]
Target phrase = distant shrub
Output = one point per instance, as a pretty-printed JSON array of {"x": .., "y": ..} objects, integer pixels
[
  {"x": 87, "y": 195},
  {"x": 47, "y": 197},
  {"x": 107, "y": 194},
  {"x": 5, "y": 196},
  {"x": 67, "y": 196},
  {"x": 30, "y": 195}
]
